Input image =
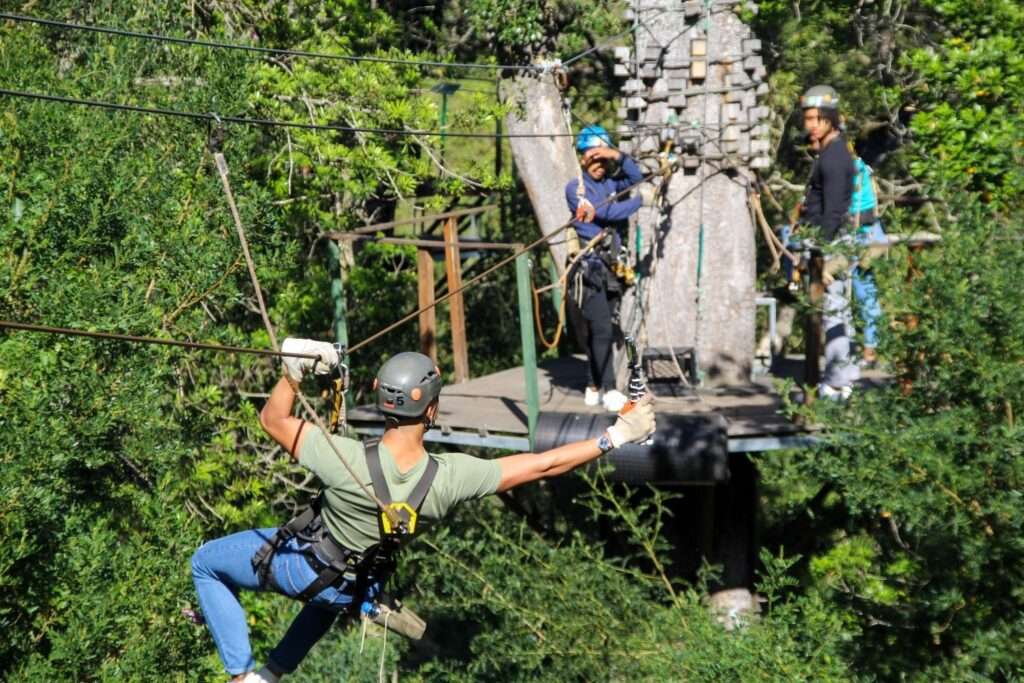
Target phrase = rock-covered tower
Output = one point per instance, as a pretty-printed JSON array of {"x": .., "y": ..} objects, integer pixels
[{"x": 690, "y": 94}]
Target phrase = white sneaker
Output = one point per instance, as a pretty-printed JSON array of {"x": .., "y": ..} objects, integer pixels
[
  {"x": 614, "y": 401},
  {"x": 592, "y": 397},
  {"x": 833, "y": 394},
  {"x": 264, "y": 675}
]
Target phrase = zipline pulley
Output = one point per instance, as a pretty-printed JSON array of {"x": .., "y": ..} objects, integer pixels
[{"x": 334, "y": 393}]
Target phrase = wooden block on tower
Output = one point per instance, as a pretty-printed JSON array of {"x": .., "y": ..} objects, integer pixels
[
  {"x": 698, "y": 70},
  {"x": 698, "y": 47}
]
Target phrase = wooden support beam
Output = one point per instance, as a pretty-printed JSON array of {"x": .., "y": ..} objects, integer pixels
[
  {"x": 456, "y": 306},
  {"x": 428, "y": 319},
  {"x": 458, "y": 213},
  {"x": 429, "y": 244},
  {"x": 812, "y": 333}
]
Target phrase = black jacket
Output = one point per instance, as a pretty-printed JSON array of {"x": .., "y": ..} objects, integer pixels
[{"x": 827, "y": 202}]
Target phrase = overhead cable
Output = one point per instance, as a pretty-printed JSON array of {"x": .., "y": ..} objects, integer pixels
[
  {"x": 47, "y": 329},
  {"x": 193, "y": 42},
  {"x": 264, "y": 123},
  {"x": 253, "y": 48}
]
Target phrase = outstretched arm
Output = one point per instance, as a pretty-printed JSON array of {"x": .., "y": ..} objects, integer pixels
[
  {"x": 635, "y": 425},
  {"x": 526, "y": 467}
]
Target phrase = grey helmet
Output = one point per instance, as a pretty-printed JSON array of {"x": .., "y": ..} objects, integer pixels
[
  {"x": 406, "y": 384},
  {"x": 820, "y": 97}
]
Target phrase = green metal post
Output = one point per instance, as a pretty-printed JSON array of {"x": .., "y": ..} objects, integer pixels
[
  {"x": 444, "y": 120},
  {"x": 338, "y": 294},
  {"x": 529, "y": 345},
  {"x": 556, "y": 292}
]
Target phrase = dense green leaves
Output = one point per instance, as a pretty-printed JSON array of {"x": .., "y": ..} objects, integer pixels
[{"x": 894, "y": 551}]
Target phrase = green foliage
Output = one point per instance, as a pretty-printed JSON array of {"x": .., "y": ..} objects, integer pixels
[{"x": 893, "y": 551}]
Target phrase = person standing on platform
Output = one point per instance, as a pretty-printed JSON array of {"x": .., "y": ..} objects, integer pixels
[
  {"x": 827, "y": 206},
  {"x": 595, "y": 290}
]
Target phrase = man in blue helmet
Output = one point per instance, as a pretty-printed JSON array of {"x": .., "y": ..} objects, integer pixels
[
  {"x": 594, "y": 289},
  {"x": 336, "y": 555}
]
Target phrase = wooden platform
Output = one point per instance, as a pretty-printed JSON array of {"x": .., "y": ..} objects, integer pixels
[{"x": 490, "y": 411}]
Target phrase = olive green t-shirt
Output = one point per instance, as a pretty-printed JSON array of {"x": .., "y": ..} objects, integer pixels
[{"x": 351, "y": 515}]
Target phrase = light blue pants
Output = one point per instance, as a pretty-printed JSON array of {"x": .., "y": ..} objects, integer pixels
[
  {"x": 223, "y": 567},
  {"x": 841, "y": 370},
  {"x": 864, "y": 289}
]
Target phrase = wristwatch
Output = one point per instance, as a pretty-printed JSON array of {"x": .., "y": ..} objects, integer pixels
[{"x": 604, "y": 442}]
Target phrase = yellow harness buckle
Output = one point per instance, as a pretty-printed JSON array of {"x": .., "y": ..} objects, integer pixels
[{"x": 404, "y": 513}]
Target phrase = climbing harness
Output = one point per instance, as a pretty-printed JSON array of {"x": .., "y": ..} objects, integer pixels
[{"x": 332, "y": 561}]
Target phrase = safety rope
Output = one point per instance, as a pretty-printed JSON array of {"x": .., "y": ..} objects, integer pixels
[
  {"x": 560, "y": 282},
  {"x": 222, "y": 168},
  {"x": 775, "y": 245}
]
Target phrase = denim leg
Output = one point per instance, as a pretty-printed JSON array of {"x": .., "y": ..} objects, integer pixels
[
  {"x": 840, "y": 371},
  {"x": 308, "y": 627},
  {"x": 222, "y": 567},
  {"x": 865, "y": 291}
]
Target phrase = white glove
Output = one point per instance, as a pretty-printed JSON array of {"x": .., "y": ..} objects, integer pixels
[
  {"x": 296, "y": 367},
  {"x": 635, "y": 423}
]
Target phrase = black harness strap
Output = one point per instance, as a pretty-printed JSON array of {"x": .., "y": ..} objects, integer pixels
[
  {"x": 263, "y": 557},
  {"x": 335, "y": 560},
  {"x": 380, "y": 484}
]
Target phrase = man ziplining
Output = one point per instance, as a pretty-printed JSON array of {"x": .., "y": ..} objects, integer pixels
[{"x": 338, "y": 555}]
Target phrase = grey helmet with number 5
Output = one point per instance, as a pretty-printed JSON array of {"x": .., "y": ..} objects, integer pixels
[{"x": 406, "y": 384}]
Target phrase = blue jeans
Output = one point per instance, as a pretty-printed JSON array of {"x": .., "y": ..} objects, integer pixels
[
  {"x": 864, "y": 289},
  {"x": 223, "y": 567}
]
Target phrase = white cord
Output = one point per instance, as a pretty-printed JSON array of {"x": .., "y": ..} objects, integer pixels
[{"x": 383, "y": 647}]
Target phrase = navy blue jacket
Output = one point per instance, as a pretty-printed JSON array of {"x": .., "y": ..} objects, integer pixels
[
  {"x": 611, "y": 214},
  {"x": 827, "y": 202}
]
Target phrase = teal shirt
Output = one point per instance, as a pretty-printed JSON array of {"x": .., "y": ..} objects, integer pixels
[{"x": 351, "y": 515}]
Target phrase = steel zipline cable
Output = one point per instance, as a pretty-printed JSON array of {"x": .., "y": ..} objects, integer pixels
[
  {"x": 212, "y": 117},
  {"x": 283, "y": 52},
  {"x": 21, "y": 18},
  {"x": 112, "y": 336}
]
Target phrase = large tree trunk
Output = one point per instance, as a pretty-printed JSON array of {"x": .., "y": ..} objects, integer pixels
[
  {"x": 704, "y": 224},
  {"x": 544, "y": 164}
]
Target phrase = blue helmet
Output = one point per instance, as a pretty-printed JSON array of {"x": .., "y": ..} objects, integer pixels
[{"x": 592, "y": 136}]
